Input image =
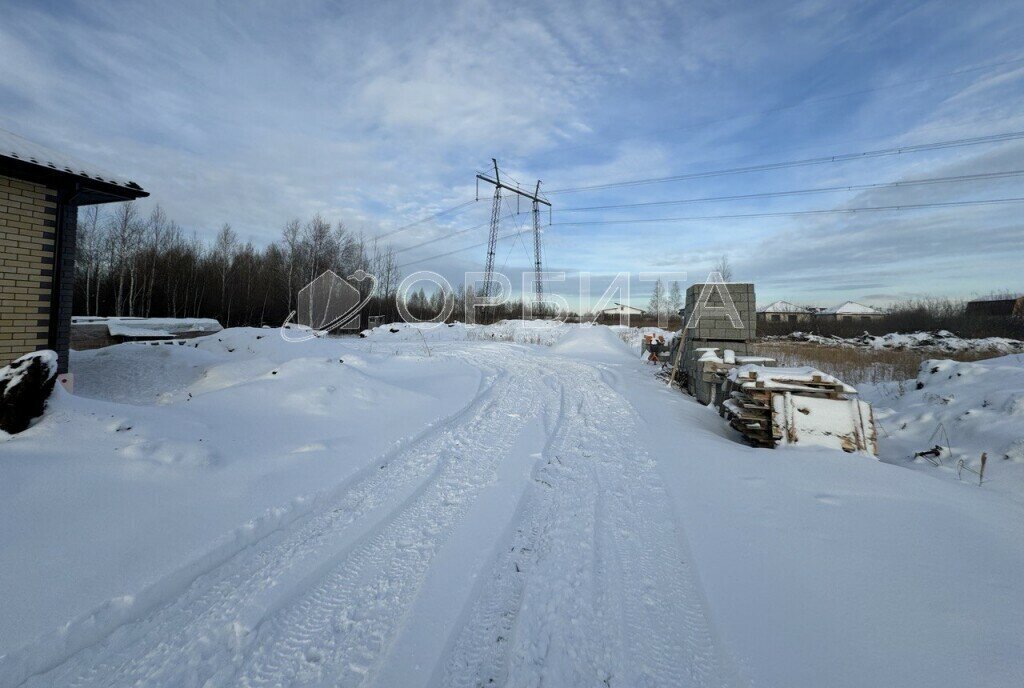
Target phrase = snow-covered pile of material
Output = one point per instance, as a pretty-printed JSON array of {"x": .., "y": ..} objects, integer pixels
[
  {"x": 785, "y": 379},
  {"x": 25, "y": 386},
  {"x": 940, "y": 340},
  {"x": 13, "y": 374},
  {"x": 150, "y": 328},
  {"x": 797, "y": 406},
  {"x": 634, "y": 336},
  {"x": 967, "y": 409}
]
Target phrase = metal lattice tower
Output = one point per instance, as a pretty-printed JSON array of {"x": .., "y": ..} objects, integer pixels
[
  {"x": 538, "y": 284},
  {"x": 495, "y": 221},
  {"x": 492, "y": 239}
]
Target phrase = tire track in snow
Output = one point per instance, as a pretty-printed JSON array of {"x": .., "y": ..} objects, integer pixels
[
  {"x": 340, "y": 629},
  {"x": 592, "y": 592},
  {"x": 204, "y": 633},
  {"x": 478, "y": 655}
]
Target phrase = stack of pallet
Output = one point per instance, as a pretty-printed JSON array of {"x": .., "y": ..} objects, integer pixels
[{"x": 796, "y": 406}]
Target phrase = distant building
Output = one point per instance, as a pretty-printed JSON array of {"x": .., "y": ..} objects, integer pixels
[
  {"x": 851, "y": 311},
  {"x": 997, "y": 306},
  {"x": 40, "y": 193},
  {"x": 619, "y": 310},
  {"x": 782, "y": 311}
]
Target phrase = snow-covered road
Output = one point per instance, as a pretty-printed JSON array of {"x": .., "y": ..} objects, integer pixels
[
  {"x": 526, "y": 540},
  {"x": 575, "y": 523}
]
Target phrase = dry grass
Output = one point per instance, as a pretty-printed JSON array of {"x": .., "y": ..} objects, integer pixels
[{"x": 860, "y": 366}]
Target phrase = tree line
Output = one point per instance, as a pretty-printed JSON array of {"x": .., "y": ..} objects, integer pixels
[
  {"x": 129, "y": 264},
  {"x": 135, "y": 265}
]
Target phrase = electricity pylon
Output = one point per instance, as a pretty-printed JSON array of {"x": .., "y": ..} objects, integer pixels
[{"x": 496, "y": 220}]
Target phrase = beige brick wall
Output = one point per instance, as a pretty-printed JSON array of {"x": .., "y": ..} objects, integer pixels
[{"x": 27, "y": 242}]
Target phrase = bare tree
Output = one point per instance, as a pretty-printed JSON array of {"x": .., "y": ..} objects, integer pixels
[
  {"x": 123, "y": 235},
  {"x": 223, "y": 256},
  {"x": 675, "y": 299},
  {"x": 89, "y": 245},
  {"x": 290, "y": 237},
  {"x": 657, "y": 303},
  {"x": 724, "y": 267}
]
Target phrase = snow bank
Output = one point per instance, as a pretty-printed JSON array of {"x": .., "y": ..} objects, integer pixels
[{"x": 967, "y": 409}]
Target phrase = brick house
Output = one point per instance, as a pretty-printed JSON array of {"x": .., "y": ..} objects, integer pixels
[
  {"x": 783, "y": 311},
  {"x": 40, "y": 192},
  {"x": 849, "y": 312}
]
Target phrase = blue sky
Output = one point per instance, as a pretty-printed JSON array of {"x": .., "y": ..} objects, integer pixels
[{"x": 378, "y": 114}]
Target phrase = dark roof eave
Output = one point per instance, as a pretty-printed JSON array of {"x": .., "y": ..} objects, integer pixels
[{"x": 84, "y": 190}]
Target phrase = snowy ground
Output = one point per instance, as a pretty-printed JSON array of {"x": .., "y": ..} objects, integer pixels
[
  {"x": 448, "y": 507},
  {"x": 965, "y": 409}
]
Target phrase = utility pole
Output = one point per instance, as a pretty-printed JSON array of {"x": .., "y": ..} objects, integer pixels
[{"x": 495, "y": 221}]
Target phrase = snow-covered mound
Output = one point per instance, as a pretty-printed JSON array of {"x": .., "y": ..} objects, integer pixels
[
  {"x": 595, "y": 343},
  {"x": 543, "y": 332},
  {"x": 940, "y": 340},
  {"x": 967, "y": 409}
]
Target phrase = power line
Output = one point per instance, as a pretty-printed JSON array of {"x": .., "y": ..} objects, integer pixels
[
  {"x": 458, "y": 250},
  {"x": 917, "y": 206},
  {"x": 914, "y": 206},
  {"x": 434, "y": 216},
  {"x": 799, "y": 192},
  {"x": 441, "y": 238},
  {"x": 897, "y": 150}
]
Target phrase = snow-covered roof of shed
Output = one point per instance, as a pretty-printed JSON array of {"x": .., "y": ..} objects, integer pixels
[
  {"x": 851, "y": 307},
  {"x": 18, "y": 148},
  {"x": 619, "y": 306},
  {"x": 782, "y": 307}
]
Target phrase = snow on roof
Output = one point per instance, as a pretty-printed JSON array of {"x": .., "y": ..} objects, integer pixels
[
  {"x": 851, "y": 307},
  {"x": 18, "y": 148},
  {"x": 132, "y": 327},
  {"x": 782, "y": 307}
]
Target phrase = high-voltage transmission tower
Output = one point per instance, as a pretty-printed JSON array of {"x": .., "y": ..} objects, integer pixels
[{"x": 492, "y": 240}]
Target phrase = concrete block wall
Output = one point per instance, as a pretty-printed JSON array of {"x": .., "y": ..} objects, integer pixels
[
  {"x": 716, "y": 324},
  {"x": 718, "y": 331},
  {"x": 28, "y": 234}
]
